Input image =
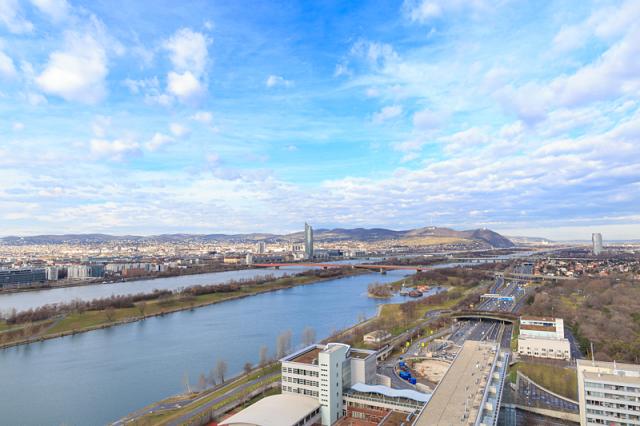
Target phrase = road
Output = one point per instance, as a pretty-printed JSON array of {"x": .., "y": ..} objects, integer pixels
[
  {"x": 196, "y": 411},
  {"x": 529, "y": 394}
]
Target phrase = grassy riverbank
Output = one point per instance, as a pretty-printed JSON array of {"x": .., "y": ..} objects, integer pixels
[{"x": 86, "y": 320}]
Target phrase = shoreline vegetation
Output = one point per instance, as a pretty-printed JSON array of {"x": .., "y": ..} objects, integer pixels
[{"x": 53, "y": 321}]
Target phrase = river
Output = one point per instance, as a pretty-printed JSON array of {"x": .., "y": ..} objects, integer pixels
[{"x": 97, "y": 377}]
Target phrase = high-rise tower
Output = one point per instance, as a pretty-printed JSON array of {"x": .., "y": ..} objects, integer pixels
[
  {"x": 596, "y": 239},
  {"x": 308, "y": 241}
]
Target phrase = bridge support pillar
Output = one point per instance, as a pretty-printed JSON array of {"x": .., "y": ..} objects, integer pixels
[
  {"x": 325, "y": 267},
  {"x": 383, "y": 271},
  {"x": 277, "y": 267},
  {"x": 418, "y": 270}
]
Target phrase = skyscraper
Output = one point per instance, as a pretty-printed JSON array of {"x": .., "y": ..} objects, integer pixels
[
  {"x": 308, "y": 241},
  {"x": 596, "y": 239}
]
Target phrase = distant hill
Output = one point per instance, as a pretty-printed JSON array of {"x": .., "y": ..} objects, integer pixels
[
  {"x": 530, "y": 240},
  {"x": 325, "y": 235}
]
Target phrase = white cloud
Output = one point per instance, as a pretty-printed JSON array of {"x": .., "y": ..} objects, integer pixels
[
  {"x": 466, "y": 139},
  {"x": 11, "y": 16},
  {"x": 189, "y": 55},
  {"x": 276, "y": 80},
  {"x": 179, "y": 130},
  {"x": 57, "y": 10},
  {"x": 116, "y": 149},
  {"x": 158, "y": 141},
  {"x": 185, "y": 86},
  {"x": 7, "y": 69},
  {"x": 387, "y": 113},
  {"x": 18, "y": 126},
  {"x": 204, "y": 117},
  {"x": 77, "y": 72},
  {"x": 377, "y": 54},
  {"x": 188, "y": 51},
  {"x": 423, "y": 11},
  {"x": 426, "y": 119}
]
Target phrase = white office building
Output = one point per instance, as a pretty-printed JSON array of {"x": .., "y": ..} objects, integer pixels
[
  {"x": 324, "y": 371},
  {"x": 543, "y": 338},
  {"x": 608, "y": 393}
]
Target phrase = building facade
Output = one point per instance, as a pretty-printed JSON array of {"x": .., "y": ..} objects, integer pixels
[
  {"x": 308, "y": 241},
  {"x": 596, "y": 240},
  {"x": 324, "y": 372},
  {"x": 13, "y": 278},
  {"x": 608, "y": 393},
  {"x": 543, "y": 338}
]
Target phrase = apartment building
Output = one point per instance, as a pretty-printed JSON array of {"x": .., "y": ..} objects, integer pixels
[
  {"x": 608, "y": 393},
  {"x": 543, "y": 338}
]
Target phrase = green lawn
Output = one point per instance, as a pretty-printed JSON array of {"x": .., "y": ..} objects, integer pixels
[{"x": 563, "y": 381}]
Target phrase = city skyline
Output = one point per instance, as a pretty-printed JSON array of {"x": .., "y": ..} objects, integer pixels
[{"x": 124, "y": 118}]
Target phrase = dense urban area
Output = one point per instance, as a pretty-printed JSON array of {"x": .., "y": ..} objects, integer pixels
[{"x": 468, "y": 325}]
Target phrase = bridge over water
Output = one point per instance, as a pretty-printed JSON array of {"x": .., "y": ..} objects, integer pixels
[{"x": 379, "y": 268}]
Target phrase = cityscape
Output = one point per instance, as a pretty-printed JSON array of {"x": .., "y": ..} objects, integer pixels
[{"x": 392, "y": 213}]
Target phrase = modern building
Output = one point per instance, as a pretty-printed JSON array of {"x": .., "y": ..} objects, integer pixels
[
  {"x": 470, "y": 392},
  {"x": 278, "y": 410},
  {"x": 83, "y": 272},
  {"x": 261, "y": 247},
  {"x": 52, "y": 273},
  {"x": 543, "y": 338},
  {"x": 22, "y": 277},
  {"x": 608, "y": 393},
  {"x": 596, "y": 240},
  {"x": 325, "y": 384},
  {"x": 308, "y": 241}
]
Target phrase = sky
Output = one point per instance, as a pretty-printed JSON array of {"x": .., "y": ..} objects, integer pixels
[{"x": 147, "y": 117}]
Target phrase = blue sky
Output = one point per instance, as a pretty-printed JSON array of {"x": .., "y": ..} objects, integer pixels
[{"x": 141, "y": 117}]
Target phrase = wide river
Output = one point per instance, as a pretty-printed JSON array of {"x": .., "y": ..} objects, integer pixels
[{"x": 97, "y": 377}]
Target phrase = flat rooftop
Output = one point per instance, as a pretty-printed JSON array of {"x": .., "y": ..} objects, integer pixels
[
  {"x": 532, "y": 318},
  {"x": 548, "y": 328},
  {"x": 308, "y": 357},
  {"x": 360, "y": 354},
  {"x": 457, "y": 398}
]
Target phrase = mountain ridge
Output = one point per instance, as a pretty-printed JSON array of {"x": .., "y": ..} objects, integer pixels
[{"x": 324, "y": 235}]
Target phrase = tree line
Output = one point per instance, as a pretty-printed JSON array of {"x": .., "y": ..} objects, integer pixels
[{"x": 109, "y": 304}]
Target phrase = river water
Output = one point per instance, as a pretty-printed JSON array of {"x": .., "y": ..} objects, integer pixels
[{"x": 97, "y": 377}]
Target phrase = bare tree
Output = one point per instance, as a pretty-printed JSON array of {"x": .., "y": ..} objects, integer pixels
[
  {"x": 110, "y": 313},
  {"x": 264, "y": 355},
  {"x": 283, "y": 344},
  {"x": 185, "y": 382},
  {"x": 247, "y": 367},
  {"x": 142, "y": 306},
  {"x": 212, "y": 378},
  {"x": 308, "y": 336},
  {"x": 202, "y": 382},
  {"x": 221, "y": 370}
]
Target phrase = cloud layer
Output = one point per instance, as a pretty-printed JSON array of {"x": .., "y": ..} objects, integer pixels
[{"x": 519, "y": 117}]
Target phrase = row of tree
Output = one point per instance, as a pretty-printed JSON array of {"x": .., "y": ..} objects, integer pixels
[{"x": 109, "y": 304}]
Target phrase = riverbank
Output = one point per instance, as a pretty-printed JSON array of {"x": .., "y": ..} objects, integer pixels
[
  {"x": 103, "y": 281},
  {"x": 89, "y": 320}
]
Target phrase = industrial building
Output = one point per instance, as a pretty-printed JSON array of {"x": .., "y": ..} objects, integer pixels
[
  {"x": 543, "y": 338},
  {"x": 608, "y": 393}
]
